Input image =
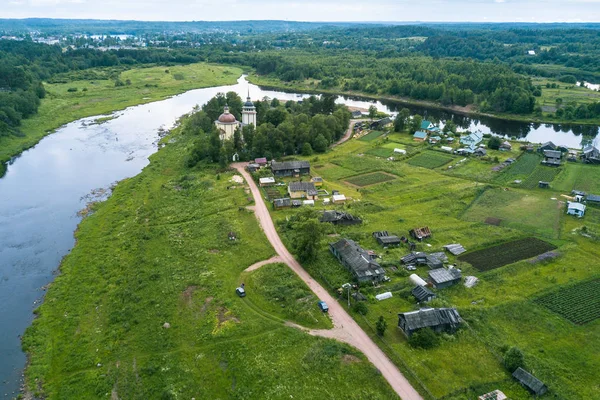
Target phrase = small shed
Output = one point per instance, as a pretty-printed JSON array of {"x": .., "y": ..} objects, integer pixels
[
  {"x": 264, "y": 182},
  {"x": 385, "y": 239},
  {"x": 543, "y": 185},
  {"x": 253, "y": 167},
  {"x": 282, "y": 203},
  {"x": 296, "y": 203},
  {"x": 505, "y": 146},
  {"x": 338, "y": 198},
  {"x": 420, "y": 233},
  {"x": 399, "y": 151},
  {"x": 577, "y": 209},
  {"x": 592, "y": 198},
  {"x": 437, "y": 319},
  {"x": 446, "y": 148},
  {"x": 308, "y": 203},
  {"x": 422, "y": 294},
  {"x": 261, "y": 161},
  {"x": 533, "y": 384},
  {"x": 442, "y": 278},
  {"x": 479, "y": 152},
  {"x": 456, "y": 249},
  {"x": 317, "y": 181}
]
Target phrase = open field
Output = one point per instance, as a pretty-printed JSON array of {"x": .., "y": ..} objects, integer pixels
[
  {"x": 369, "y": 137},
  {"x": 506, "y": 253},
  {"x": 540, "y": 173},
  {"x": 521, "y": 169},
  {"x": 430, "y": 159},
  {"x": 372, "y": 178},
  {"x": 567, "y": 92},
  {"x": 579, "y": 303},
  {"x": 158, "y": 252},
  {"x": 578, "y": 177},
  {"x": 101, "y": 97}
]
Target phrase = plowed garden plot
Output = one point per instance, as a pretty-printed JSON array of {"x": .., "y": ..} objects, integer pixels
[
  {"x": 430, "y": 159},
  {"x": 521, "y": 169},
  {"x": 273, "y": 193},
  {"x": 541, "y": 173},
  {"x": 372, "y": 178},
  {"x": 579, "y": 304},
  {"x": 506, "y": 253}
]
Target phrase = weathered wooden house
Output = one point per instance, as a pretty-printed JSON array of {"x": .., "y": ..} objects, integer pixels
[
  {"x": 422, "y": 294},
  {"x": 361, "y": 263},
  {"x": 437, "y": 319},
  {"x": 302, "y": 190},
  {"x": 546, "y": 146},
  {"x": 385, "y": 239},
  {"x": 339, "y": 218},
  {"x": 282, "y": 203},
  {"x": 505, "y": 146},
  {"x": 552, "y": 158},
  {"x": 530, "y": 382},
  {"x": 479, "y": 152},
  {"x": 591, "y": 155},
  {"x": 290, "y": 168},
  {"x": 442, "y": 278}
]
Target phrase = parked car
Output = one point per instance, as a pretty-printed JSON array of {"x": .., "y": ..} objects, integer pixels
[
  {"x": 411, "y": 268},
  {"x": 240, "y": 292},
  {"x": 323, "y": 306}
]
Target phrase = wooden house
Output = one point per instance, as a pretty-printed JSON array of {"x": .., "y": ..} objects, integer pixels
[
  {"x": 442, "y": 278},
  {"x": 290, "y": 168},
  {"x": 591, "y": 155},
  {"x": 339, "y": 218},
  {"x": 505, "y": 146},
  {"x": 420, "y": 233},
  {"x": 266, "y": 182},
  {"x": 437, "y": 319},
  {"x": 422, "y": 294},
  {"x": 546, "y": 146},
  {"x": 471, "y": 140},
  {"x": 282, "y": 203},
  {"x": 359, "y": 262},
  {"x": 530, "y": 382},
  {"x": 302, "y": 190},
  {"x": 552, "y": 158}
]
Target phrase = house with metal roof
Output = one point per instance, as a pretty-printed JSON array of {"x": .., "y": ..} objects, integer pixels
[
  {"x": 282, "y": 203},
  {"x": 420, "y": 136},
  {"x": 576, "y": 209},
  {"x": 262, "y": 161},
  {"x": 591, "y": 154},
  {"x": 361, "y": 263},
  {"x": 547, "y": 146},
  {"x": 437, "y": 319},
  {"x": 302, "y": 190},
  {"x": 290, "y": 168},
  {"x": 442, "y": 278},
  {"x": 471, "y": 140},
  {"x": 422, "y": 294},
  {"x": 339, "y": 218},
  {"x": 530, "y": 382},
  {"x": 267, "y": 181},
  {"x": 592, "y": 198}
]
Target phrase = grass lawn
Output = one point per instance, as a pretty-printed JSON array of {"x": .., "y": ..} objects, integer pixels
[
  {"x": 101, "y": 97},
  {"x": 370, "y": 179},
  {"x": 369, "y": 137},
  {"x": 532, "y": 212},
  {"x": 430, "y": 159},
  {"x": 579, "y": 177},
  {"x": 157, "y": 251}
]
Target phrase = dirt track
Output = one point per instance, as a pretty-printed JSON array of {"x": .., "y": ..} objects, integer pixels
[{"x": 345, "y": 328}]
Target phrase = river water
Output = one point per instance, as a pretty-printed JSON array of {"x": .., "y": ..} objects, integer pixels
[{"x": 47, "y": 185}]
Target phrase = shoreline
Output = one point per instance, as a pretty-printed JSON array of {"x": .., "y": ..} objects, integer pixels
[{"x": 465, "y": 111}]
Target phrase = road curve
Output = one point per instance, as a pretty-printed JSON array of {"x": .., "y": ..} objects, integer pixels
[
  {"x": 348, "y": 133},
  {"x": 345, "y": 328}
]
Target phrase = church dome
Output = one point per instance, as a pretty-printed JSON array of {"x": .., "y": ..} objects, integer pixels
[
  {"x": 227, "y": 118},
  {"x": 248, "y": 103}
]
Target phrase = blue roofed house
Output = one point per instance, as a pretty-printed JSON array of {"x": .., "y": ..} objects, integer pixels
[
  {"x": 471, "y": 140},
  {"x": 427, "y": 125},
  {"x": 420, "y": 136}
]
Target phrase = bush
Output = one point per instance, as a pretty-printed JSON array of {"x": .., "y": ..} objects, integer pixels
[
  {"x": 514, "y": 359},
  {"x": 381, "y": 326},
  {"x": 360, "y": 308},
  {"x": 178, "y": 77},
  {"x": 72, "y": 89},
  {"x": 424, "y": 339},
  {"x": 494, "y": 143}
]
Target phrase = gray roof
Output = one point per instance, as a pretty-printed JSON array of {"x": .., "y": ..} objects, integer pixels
[
  {"x": 430, "y": 317},
  {"x": 529, "y": 381},
  {"x": 548, "y": 144},
  {"x": 552, "y": 154},
  {"x": 442, "y": 275},
  {"x": 357, "y": 259},
  {"x": 336, "y": 216},
  {"x": 302, "y": 187},
  {"x": 592, "y": 197},
  {"x": 455, "y": 248},
  {"x": 279, "y": 166},
  {"x": 285, "y": 202},
  {"x": 422, "y": 293}
]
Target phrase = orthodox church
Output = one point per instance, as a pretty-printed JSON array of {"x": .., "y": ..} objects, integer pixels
[{"x": 227, "y": 124}]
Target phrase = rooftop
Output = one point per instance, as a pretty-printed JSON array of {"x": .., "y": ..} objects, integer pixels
[
  {"x": 302, "y": 187},
  {"x": 430, "y": 317},
  {"x": 442, "y": 275},
  {"x": 278, "y": 166}
]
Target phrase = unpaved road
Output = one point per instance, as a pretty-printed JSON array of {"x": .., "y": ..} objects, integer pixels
[
  {"x": 348, "y": 133},
  {"x": 345, "y": 328},
  {"x": 255, "y": 266}
]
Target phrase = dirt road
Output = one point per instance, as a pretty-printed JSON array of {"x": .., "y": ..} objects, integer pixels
[
  {"x": 348, "y": 133},
  {"x": 345, "y": 328}
]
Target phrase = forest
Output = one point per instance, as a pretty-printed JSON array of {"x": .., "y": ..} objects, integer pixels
[{"x": 283, "y": 129}]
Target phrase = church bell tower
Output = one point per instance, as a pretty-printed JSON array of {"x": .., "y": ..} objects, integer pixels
[{"x": 249, "y": 112}]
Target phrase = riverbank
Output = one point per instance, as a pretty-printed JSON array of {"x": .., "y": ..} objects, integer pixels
[
  {"x": 99, "y": 97},
  {"x": 145, "y": 305},
  {"x": 470, "y": 111}
]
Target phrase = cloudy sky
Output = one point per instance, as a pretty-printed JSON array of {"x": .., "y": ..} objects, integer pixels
[{"x": 310, "y": 10}]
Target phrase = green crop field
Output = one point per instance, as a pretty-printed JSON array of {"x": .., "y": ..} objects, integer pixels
[
  {"x": 579, "y": 303},
  {"x": 380, "y": 152},
  {"x": 429, "y": 159},
  {"x": 540, "y": 173},
  {"x": 370, "y": 179},
  {"x": 369, "y": 137},
  {"x": 521, "y": 169},
  {"x": 506, "y": 253},
  {"x": 578, "y": 177}
]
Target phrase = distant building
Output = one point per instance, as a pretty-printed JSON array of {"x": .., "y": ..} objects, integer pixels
[
  {"x": 420, "y": 136},
  {"x": 339, "y": 218},
  {"x": 479, "y": 152},
  {"x": 359, "y": 262},
  {"x": 531, "y": 52},
  {"x": 356, "y": 114},
  {"x": 268, "y": 181},
  {"x": 505, "y": 146},
  {"x": 471, "y": 140},
  {"x": 317, "y": 180},
  {"x": 552, "y": 158},
  {"x": 437, "y": 319},
  {"x": 442, "y": 278},
  {"x": 546, "y": 146},
  {"x": 338, "y": 198},
  {"x": 290, "y": 168},
  {"x": 261, "y": 161},
  {"x": 531, "y": 383}
]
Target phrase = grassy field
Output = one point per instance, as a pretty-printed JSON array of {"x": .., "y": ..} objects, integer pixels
[
  {"x": 430, "y": 159},
  {"x": 158, "y": 252},
  {"x": 569, "y": 93},
  {"x": 372, "y": 178},
  {"x": 501, "y": 310},
  {"x": 369, "y": 137},
  {"x": 578, "y": 177},
  {"x": 541, "y": 173},
  {"x": 101, "y": 97}
]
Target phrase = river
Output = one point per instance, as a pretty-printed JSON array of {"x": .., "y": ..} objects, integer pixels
[{"x": 46, "y": 186}]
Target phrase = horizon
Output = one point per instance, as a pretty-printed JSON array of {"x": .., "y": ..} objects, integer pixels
[{"x": 328, "y": 11}]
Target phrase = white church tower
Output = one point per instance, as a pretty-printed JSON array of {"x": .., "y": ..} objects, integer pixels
[{"x": 249, "y": 112}]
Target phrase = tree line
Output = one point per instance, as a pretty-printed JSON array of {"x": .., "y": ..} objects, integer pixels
[{"x": 283, "y": 129}]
